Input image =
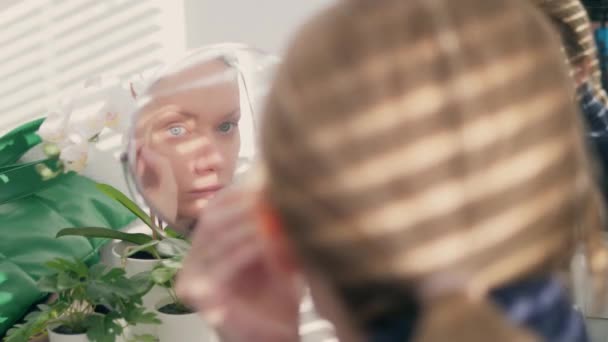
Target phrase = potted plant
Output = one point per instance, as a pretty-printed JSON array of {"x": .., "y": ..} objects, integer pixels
[
  {"x": 140, "y": 245},
  {"x": 91, "y": 304},
  {"x": 178, "y": 321},
  {"x": 136, "y": 252}
]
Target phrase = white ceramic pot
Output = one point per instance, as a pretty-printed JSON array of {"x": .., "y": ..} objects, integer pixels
[
  {"x": 184, "y": 328},
  {"x": 56, "y": 337},
  {"x": 133, "y": 267}
]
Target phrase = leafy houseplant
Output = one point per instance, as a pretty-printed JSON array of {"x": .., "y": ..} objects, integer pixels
[
  {"x": 163, "y": 275},
  {"x": 98, "y": 301},
  {"x": 159, "y": 244},
  {"x": 179, "y": 322},
  {"x": 139, "y": 253}
]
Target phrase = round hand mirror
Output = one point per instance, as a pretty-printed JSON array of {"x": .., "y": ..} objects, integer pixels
[{"x": 194, "y": 129}]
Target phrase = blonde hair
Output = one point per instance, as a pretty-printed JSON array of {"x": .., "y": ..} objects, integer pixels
[
  {"x": 575, "y": 29},
  {"x": 417, "y": 145}
]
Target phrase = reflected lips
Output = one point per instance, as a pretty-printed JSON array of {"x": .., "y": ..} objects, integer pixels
[{"x": 206, "y": 192}]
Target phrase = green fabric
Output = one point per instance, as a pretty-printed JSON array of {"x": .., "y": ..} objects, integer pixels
[
  {"x": 32, "y": 211},
  {"x": 16, "y": 286},
  {"x": 17, "y": 142}
]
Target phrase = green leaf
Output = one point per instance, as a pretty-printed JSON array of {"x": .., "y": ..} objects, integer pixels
[
  {"x": 48, "y": 284},
  {"x": 98, "y": 232},
  {"x": 103, "y": 329},
  {"x": 59, "y": 265},
  {"x": 172, "y": 233},
  {"x": 18, "y": 333},
  {"x": 148, "y": 318},
  {"x": 65, "y": 281},
  {"x": 97, "y": 271},
  {"x": 172, "y": 263},
  {"x": 161, "y": 276},
  {"x": 173, "y": 247},
  {"x": 35, "y": 324},
  {"x": 63, "y": 265},
  {"x": 109, "y": 292},
  {"x": 43, "y": 307},
  {"x": 80, "y": 268},
  {"x": 115, "y": 194},
  {"x": 148, "y": 247},
  {"x": 142, "y": 282},
  {"x": 114, "y": 274},
  {"x": 139, "y": 315}
]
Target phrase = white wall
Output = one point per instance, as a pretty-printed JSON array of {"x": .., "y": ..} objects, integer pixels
[{"x": 265, "y": 24}]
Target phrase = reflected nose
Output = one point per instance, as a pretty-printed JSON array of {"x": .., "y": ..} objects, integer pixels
[{"x": 207, "y": 158}]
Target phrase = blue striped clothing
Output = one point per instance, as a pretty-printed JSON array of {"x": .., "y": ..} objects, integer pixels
[
  {"x": 541, "y": 305},
  {"x": 595, "y": 115},
  {"x": 594, "y": 111}
]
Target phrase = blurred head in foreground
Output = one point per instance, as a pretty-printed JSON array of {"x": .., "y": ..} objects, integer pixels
[{"x": 420, "y": 154}]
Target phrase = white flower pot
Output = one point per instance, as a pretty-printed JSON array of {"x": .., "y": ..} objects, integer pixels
[
  {"x": 56, "y": 337},
  {"x": 184, "y": 328},
  {"x": 133, "y": 267}
]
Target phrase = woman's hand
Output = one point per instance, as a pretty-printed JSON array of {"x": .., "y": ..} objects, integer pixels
[
  {"x": 158, "y": 183},
  {"x": 230, "y": 278}
]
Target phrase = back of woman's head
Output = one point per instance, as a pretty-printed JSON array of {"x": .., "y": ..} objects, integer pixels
[
  {"x": 418, "y": 147},
  {"x": 572, "y": 22}
]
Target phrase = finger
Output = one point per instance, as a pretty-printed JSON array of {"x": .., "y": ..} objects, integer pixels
[
  {"x": 193, "y": 288},
  {"x": 215, "y": 255},
  {"x": 201, "y": 269},
  {"x": 244, "y": 321},
  {"x": 264, "y": 315},
  {"x": 236, "y": 192},
  {"x": 230, "y": 241},
  {"x": 218, "y": 219},
  {"x": 200, "y": 283},
  {"x": 244, "y": 255}
]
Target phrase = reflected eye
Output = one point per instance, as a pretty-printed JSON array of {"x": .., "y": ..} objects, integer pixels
[
  {"x": 226, "y": 127},
  {"x": 176, "y": 131}
]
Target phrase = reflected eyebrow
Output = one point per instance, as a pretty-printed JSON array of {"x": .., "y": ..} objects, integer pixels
[
  {"x": 166, "y": 117},
  {"x": 235, "y": 115},
  {"x": 184, "y": 114}
]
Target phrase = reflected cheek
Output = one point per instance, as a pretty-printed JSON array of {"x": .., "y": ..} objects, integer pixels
[
  {"x": 182, "y": 170},
  {"x": 155, "y": 140},
  {"x": 229, "y": 154}
]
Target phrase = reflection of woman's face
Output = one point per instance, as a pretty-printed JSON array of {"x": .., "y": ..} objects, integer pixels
[{"x": 197, "y": 132}]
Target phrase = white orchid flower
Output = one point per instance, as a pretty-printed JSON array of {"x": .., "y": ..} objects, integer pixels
[
  {"x": 75, "y": 153},
  {"x": 93, "y": 106},
  {"x": 118, "y": 108},
  {"x": 103, "y": 102},
  {"x": 118, "y": 102},
  {"x": 54, "y": 127},
  {"x": 87, "y": 122}
]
